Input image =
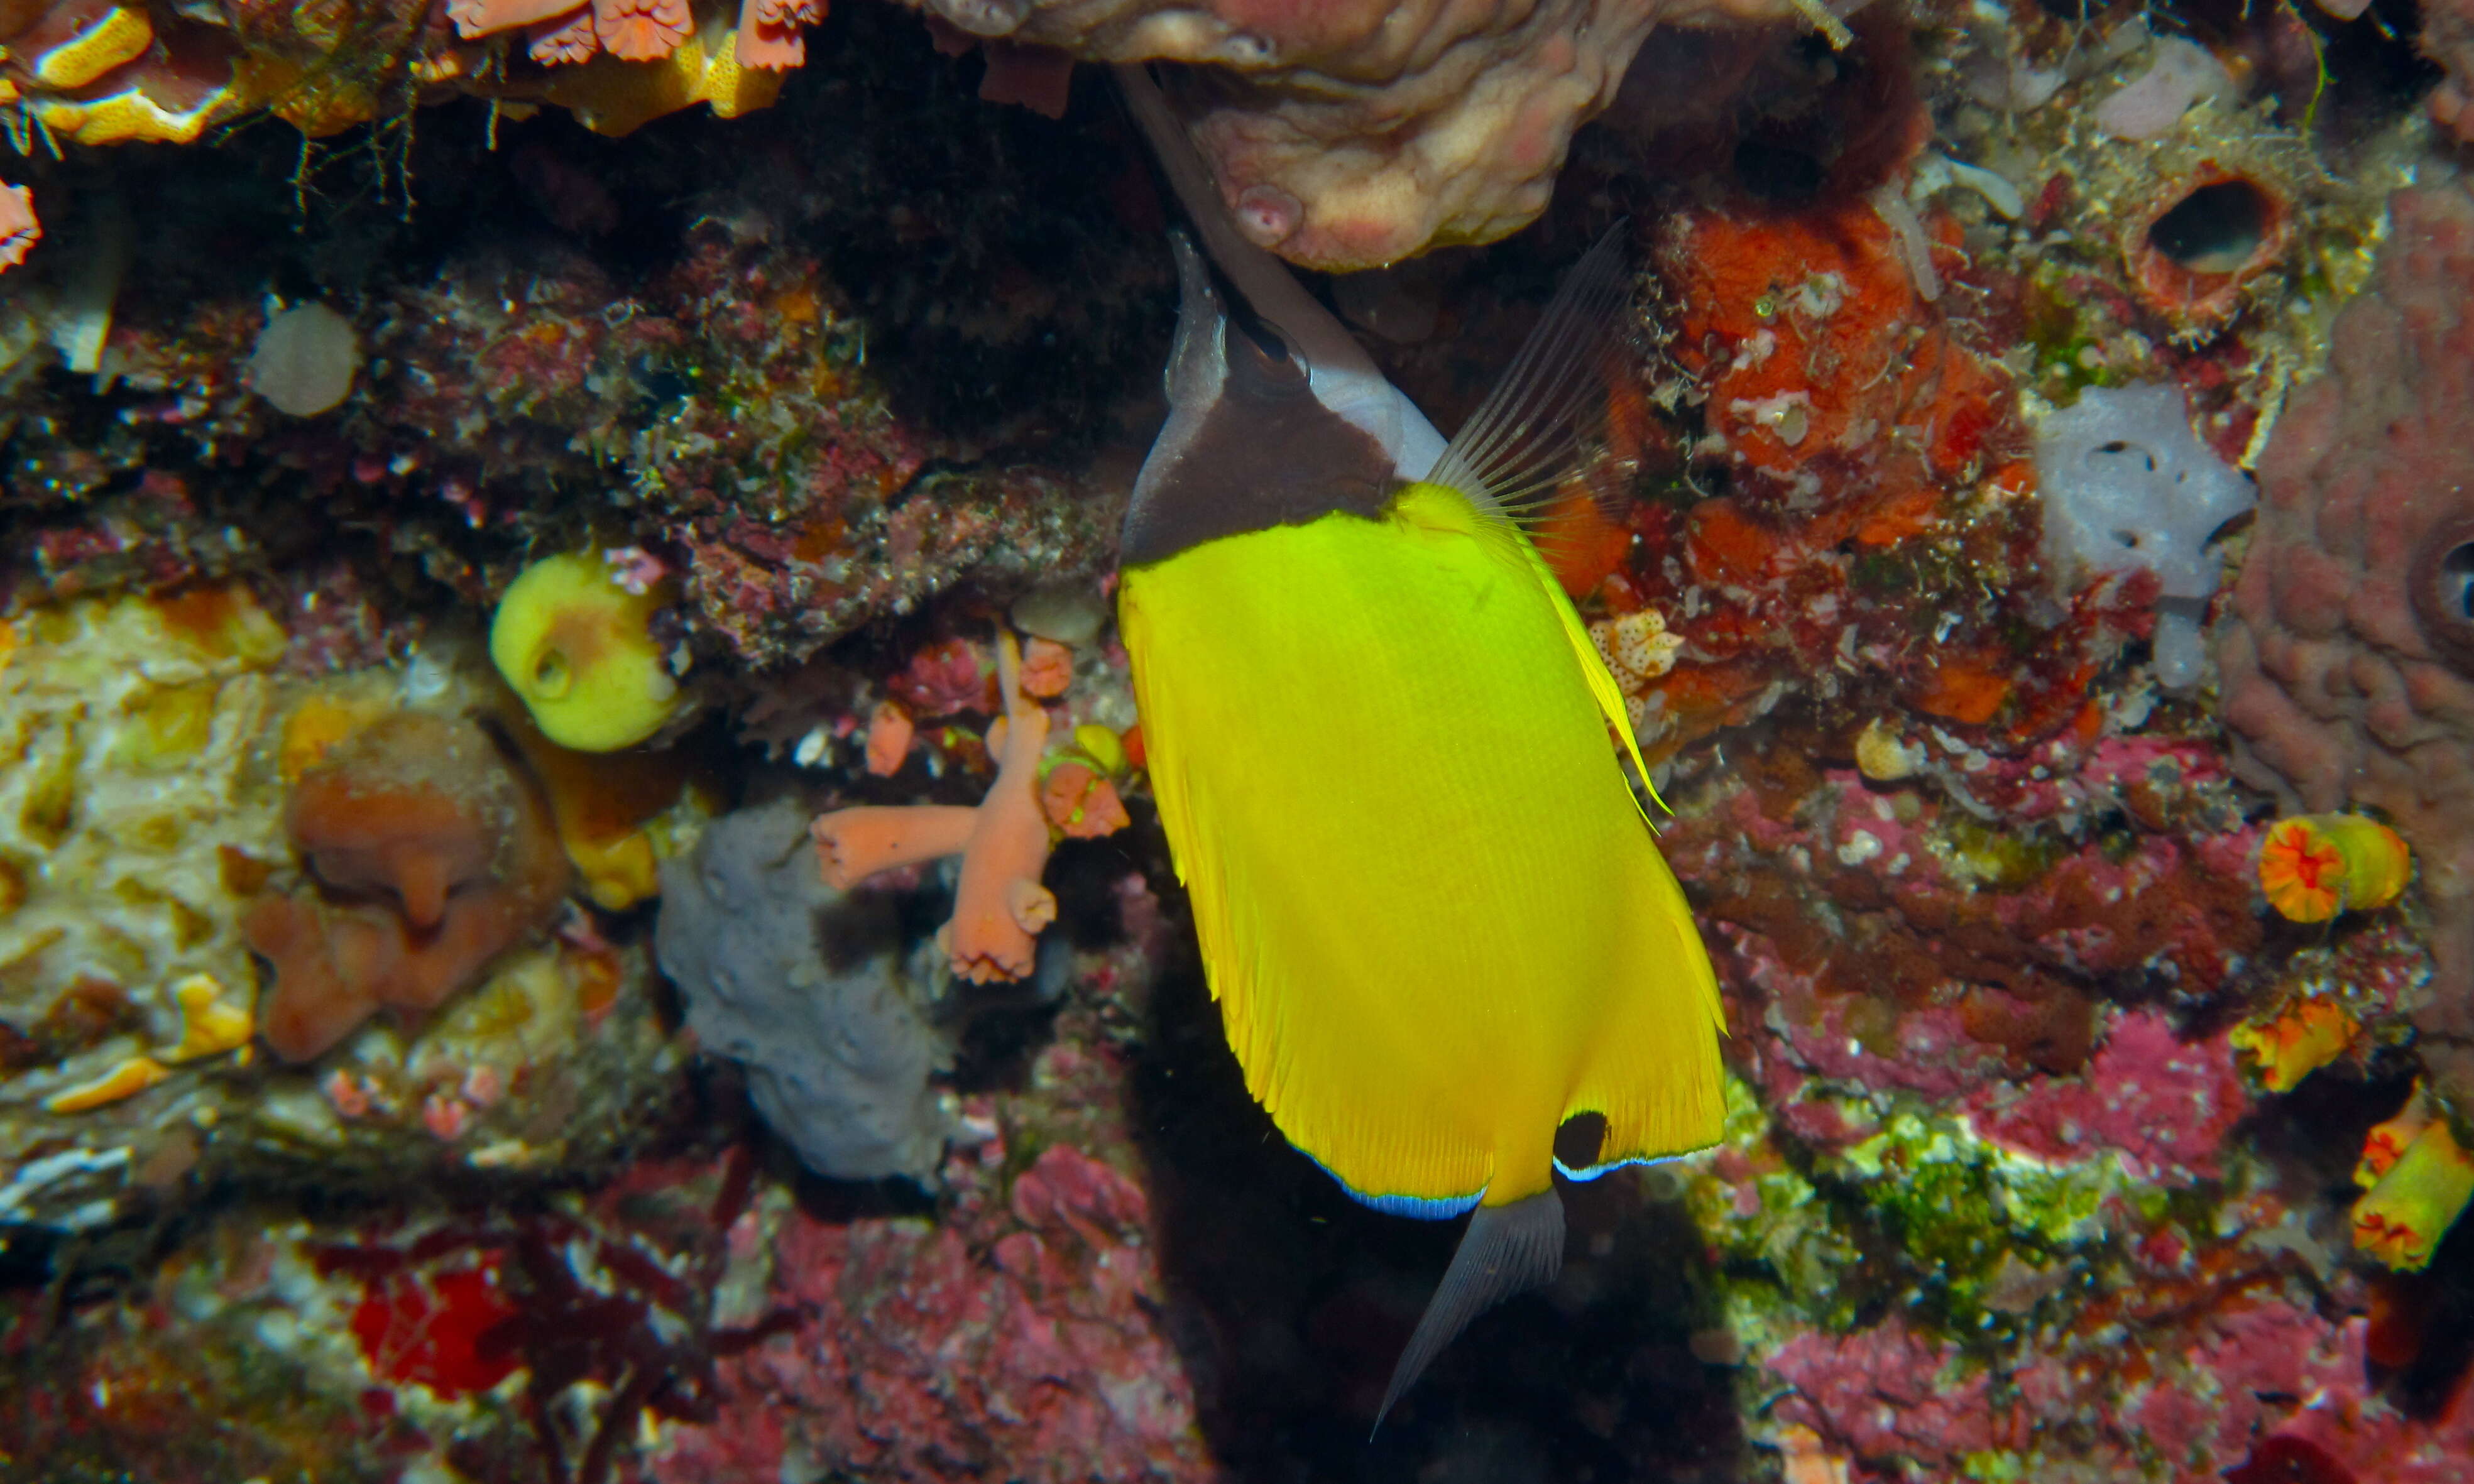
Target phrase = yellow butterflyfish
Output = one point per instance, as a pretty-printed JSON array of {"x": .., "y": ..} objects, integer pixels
[{"x": 1434, "y": 918}]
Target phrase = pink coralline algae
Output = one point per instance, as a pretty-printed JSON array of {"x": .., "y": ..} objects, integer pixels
[
  {"x": 1887, "y": 1393},
  {"x": 2361, "y": 1431},
  {"x": 1018, "y": 1342},
  {"x": 2162, "y": 1104},
  {"x": 1358, "y": 133},
  {"x": 2349, "y": 659},
  {"x": 2238, "y": 1375},
  {"x": 2011, "y": 963}
]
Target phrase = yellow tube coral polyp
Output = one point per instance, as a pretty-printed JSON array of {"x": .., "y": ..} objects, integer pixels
[
  {"x": 2401, "y": 1221},
  {"x": 2314, "y": 866},
  {"x": 577, "y": 647},
  {"x": 2386, "y": 1142},
  {"x": 2290, "y": 1045}
]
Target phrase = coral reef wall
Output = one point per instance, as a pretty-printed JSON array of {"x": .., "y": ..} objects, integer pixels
[{"x": 580, "y": 897}]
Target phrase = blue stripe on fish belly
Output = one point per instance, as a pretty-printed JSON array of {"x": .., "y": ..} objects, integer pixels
[
  {"x": 1424, "y": 1207},
  {"x": 1590, "y": 1172}
]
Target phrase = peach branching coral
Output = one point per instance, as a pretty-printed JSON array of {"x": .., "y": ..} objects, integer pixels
[
  {"x": 1000, "y": 907},
  {"x": 869, "y": 839},
  {"x": 639, "y": 30},
  {"x": 771, "y": 32},
  {"x": 2420, "y": 1179},
  {"x": 2314, "y": 866},
  {"x": 563, "y": 40},
  {"x": 565, "y": 32},
  {"x": 20, "y": 228}
]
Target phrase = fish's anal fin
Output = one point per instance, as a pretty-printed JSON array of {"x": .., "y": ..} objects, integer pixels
[
  {"x": 1533, "y": 432},
  {"x": 1507, "y": 1249}
]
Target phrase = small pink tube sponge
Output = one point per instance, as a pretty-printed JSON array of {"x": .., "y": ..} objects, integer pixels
[{"x": 1000, "y": 907}]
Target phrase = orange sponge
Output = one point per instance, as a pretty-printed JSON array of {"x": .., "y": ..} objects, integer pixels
[{"x": 429, "y": 854}]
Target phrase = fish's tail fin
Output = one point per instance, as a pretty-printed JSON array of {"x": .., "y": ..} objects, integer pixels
[{"x": 1507, "y": 1249}]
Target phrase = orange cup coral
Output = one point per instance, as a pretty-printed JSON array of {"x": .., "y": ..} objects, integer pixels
[
  {"x": 1080, "y": 802},
  {"x": 2314, "y": 866}
]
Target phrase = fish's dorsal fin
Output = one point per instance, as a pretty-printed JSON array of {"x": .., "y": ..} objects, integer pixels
[
  {"x": 1507, "y": 1249},
  {"x": 1532, "y": 433}
]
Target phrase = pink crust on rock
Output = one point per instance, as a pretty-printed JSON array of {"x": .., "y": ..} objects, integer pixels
[
  {"x": 768, "y": 32},
  {"x": 20, "y": 228},
  {"x": 485, "y": 17},
  {"x": 2348, "y": 659},
  {"x": 2161, "y": 1105},
  {"x": 641, "y": 30},
  {"x": 1020, "y": 1339}
]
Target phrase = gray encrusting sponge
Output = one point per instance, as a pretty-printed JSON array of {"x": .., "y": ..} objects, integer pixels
[
  {"x": 806, "y": 987},
  {"x": 2126, "y": 485}
]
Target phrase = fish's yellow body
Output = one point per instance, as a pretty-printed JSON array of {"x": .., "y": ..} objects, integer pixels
[{"x": 1432, "y": 914}]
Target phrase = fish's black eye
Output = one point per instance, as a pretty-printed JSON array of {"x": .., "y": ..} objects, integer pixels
[{"x": 1260, "y": 363}]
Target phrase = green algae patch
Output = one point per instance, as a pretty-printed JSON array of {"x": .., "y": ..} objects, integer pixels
[{"x": 1971, "y": 1211}]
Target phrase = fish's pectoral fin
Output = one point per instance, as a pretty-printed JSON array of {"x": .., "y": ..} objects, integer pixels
[
  {"x": 1534, "y": 430},
  {"x": 1507, "y": 1249}
]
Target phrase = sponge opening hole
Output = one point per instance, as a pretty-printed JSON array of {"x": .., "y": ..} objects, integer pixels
[{"x": 2216, "y": 227}]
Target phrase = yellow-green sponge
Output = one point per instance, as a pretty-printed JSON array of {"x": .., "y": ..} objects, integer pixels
[{"x": 578, "y": 647}]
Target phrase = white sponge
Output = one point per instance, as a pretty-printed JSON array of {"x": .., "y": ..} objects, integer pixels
[{"x": 2127, "y": 486}]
